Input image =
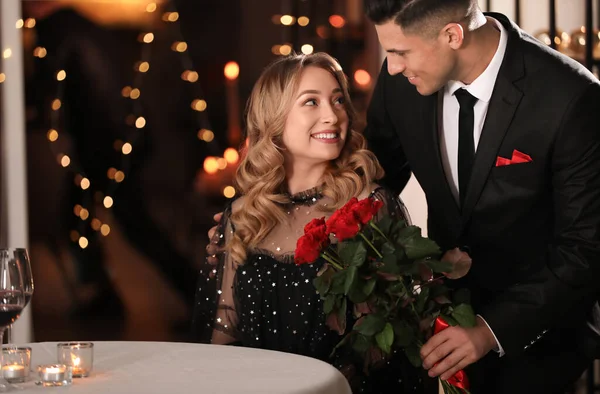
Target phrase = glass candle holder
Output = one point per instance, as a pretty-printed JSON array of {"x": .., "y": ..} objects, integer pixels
[
  {"x": 55, "y": 375},
  {"x": 78, "y": 355},
  {"x": 16, "y": 363}
]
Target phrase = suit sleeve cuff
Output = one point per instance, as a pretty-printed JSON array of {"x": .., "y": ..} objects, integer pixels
[{"x": 498, "y": 349}]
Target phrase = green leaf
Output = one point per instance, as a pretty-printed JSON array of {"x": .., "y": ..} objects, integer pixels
[
  {"x": 371, "y": 325},
  {"x": 438, "y": 266},
  {"x": 361, "y": 343},
  {"x": 390, "y": 261},
  {"x": 396, "y": 289},
  {"x": 415, "y": 246},
  {"x": 329, "y": 303},
  {"x": 387, "y": 248},
  {"x": 401, "y": 256},
  {"x": 350, "y": 279},
  {"x": 409, "y": 267},
  {"x": 341, "y": 343},
  {"x": 389, "y": 265},
  {"x": 323, "y": 282},
  {"x": 421, "y": 299},
  {"x": 342, "y": 311},
  {"x": 385, "y": 338},
  {"x": 338, "y": 282},
  {"x": 413, "y": 354},
  {"x": 385, "y": 224},
  {"x": 464, "y": 315},
  {"x": 369, "y": 286},
  {"x": 449, "y": 319},
  {"x": 357, "y": 292},
  {"x": 407, "y": 234},
  {"x": 420, "y": 248},
  {"x": 398, "y": 226},
  {"x": 431, "y": 307},
  {"x": 404, "y": 334},
  {"x": 362, "y": 289},
  {"x": 321, "y": 285},
  {"x": 353, "y": 253}
]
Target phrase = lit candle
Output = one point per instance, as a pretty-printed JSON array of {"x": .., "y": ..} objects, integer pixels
[
  {"x": 78, "y": 355},
  {"x": 77, "y": 369},
  {"x": 15, "y": 363},
  {"x": 55, "y": 375},
  {"x": 13, "y": 372}
]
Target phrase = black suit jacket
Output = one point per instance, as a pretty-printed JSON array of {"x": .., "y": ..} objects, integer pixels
[{"x": 532, "y": 229}]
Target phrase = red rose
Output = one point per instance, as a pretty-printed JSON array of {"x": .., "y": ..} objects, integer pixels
[
  {"x": 346, "y": 222},
  {"x": 365, "y": 209},
  {"x": 314, "y": 224},
  {"x": 343, "y": 223},
  {"x": 314, "y": 240},
  {"x": 344, "y": 227}
]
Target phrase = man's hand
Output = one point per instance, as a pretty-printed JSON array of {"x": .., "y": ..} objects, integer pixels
[
  {"x": 216, "y": 218},
  {"x": 454, "y": 348},
  {"x": 213, "y": 249}
]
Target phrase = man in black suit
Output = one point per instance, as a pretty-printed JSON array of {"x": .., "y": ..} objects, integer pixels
[{"x": 503, "y": 135}]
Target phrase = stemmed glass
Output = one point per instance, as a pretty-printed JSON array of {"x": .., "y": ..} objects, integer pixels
[
  {"x": 12, "y": 297},
  {"x": 21, "y": 257}
]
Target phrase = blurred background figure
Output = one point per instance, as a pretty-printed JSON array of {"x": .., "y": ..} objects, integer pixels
[{"x": 116, "y": 227}]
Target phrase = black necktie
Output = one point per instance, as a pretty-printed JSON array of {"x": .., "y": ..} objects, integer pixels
[{"x": 466, "y": 143}]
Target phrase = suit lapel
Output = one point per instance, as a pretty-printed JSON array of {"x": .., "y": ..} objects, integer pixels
[
  {"x": 503, "y": 105},
  {"x": 430, "y": 114}
]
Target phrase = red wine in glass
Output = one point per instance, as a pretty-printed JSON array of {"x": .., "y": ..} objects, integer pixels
[{"x": 9, "y": 314}]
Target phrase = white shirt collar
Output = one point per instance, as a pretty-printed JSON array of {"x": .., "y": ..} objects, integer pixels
[{"x": 483, "y": 86}]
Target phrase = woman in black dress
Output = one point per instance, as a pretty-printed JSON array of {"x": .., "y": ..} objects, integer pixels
[{"x": 302, "y": 162}]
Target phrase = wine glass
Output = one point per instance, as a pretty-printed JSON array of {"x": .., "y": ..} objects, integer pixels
[
  {"x": 12, "y": 297},
  {"x": 21, "y": 257}
]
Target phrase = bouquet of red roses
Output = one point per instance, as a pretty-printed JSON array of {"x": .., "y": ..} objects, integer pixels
[{"x": 387, "y": 271}]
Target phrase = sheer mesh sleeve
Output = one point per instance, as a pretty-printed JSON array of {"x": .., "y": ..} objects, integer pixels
[
  {"x": 392, "y": 205},
  {"x": 215, "y": 317}
]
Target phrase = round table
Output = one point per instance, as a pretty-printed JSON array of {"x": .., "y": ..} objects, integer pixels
[{"x": 173, "y": 367}]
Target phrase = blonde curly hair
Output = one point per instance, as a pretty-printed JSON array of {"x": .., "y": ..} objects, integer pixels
[{"x": 260, "y": 177}]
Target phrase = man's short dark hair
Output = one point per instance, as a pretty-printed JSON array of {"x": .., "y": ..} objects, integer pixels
[{"x": 419, "y": 15}]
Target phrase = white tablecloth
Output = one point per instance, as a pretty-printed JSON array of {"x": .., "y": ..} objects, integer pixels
[{"x": 173, "y": 368}]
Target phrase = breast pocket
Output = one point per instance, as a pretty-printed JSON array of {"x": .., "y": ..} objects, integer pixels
[{"x": 522, "y": 175}]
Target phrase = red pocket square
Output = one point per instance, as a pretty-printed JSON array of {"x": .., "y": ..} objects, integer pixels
[
  {"x": 520, "y": 157},
  {"x": 501, "y": 161},
  {"x": 517, "y": 157}
]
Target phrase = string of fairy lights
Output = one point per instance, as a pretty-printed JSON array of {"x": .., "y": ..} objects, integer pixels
[
  {"x": 136, "y": 122},
  {"x": 361, "y": 77}
]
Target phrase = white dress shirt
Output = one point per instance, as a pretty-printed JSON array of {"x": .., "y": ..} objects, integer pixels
[{"x": 482, "y": 88}]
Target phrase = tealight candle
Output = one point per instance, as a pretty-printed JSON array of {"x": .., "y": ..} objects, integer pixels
[
  {"x": 55, "y": 374},
  {"x": 78, "y": 355},
  {"x": 15, "y": 363},
  {"x": 13, "y": 373}
]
